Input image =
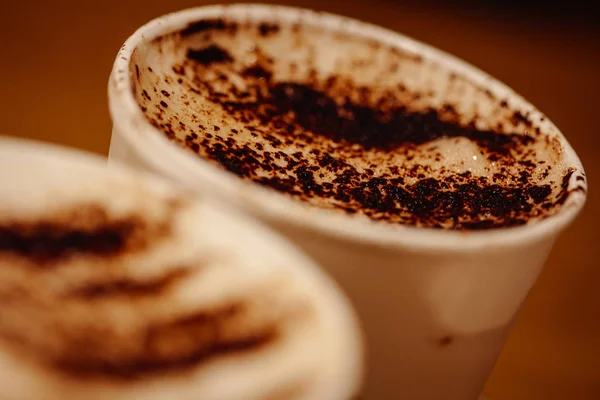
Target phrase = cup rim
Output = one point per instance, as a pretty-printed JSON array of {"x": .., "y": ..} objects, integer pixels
[{"x": 164, "y": 156}]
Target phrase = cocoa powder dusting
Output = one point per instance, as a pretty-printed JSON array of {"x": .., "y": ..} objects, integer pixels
[
  {"x": 87, "y": 231},
  {"x": 209, "y": 55},
  {"x": 206, "y": 25},
  {"x": 201, "y": 337},
  {"x": 332, "y": 120}
]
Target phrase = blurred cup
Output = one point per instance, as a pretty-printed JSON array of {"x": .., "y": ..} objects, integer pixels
[
  {"x": 116, "y": 285},
  {"x": 436, "y": 305}
]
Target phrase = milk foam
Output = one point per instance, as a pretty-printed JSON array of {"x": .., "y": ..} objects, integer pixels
[
  {"x": 219, "y": 106},
  {"x": 114, "y": 285}
]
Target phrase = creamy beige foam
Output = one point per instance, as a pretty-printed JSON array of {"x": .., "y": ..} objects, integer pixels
[
  {"x": 116, "y": 286},
  {"x": 209, "y": 87}
]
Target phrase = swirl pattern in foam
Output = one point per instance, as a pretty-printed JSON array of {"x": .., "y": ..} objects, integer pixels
[
  {"x": 114, "y": 285},
  {"x": 349, "y": 124}
]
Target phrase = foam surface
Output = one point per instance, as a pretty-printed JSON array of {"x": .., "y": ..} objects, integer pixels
[
  {"x": 349, "y": 124},
  {"x": 113, "y": 286}
]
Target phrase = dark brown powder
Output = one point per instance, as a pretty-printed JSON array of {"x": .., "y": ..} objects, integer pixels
[
  {"x": 354, "y": 119},
  {"x": 209, "y": 55},
  {"x": 55, "y": 239},
  {"x": 201, "y": 338}
]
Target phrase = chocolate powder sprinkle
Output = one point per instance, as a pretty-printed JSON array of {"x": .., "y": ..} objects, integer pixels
[
  {"x": 144, "y": 368},
  {"x": 205, "y": 25},
  {"x": 344, "y": 119},
  {"x": 266, "y": 29},
  {"x": 315, "y": 112},
  {"x": 428, "y": 201},
  {"x": 87, "y": 231},
  {"x": 46, "y": 241},
  {"x": 209, "y": 55},
  {"x": 201, "y": 338}
]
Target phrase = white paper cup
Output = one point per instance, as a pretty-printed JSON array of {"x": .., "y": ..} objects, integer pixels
[
  {"x": 115, "y": 285},
  {"x": 436, "y": 305}
]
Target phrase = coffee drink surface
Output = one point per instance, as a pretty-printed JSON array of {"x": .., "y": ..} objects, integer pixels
[
  {"x": 116, "y": 286},
  {"x": 349, "y": 124}
]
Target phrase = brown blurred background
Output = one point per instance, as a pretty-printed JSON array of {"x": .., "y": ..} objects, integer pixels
[{"x": 55, "y": 58}]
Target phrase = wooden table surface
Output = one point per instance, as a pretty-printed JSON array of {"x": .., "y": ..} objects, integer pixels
[{"x": 55, "y": 58}]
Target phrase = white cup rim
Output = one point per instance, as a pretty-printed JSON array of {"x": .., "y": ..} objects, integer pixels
[{"x": 156, "y": 150}]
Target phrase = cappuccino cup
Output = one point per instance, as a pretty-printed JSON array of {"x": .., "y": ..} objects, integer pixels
[
  {"x": 431, "y": 192},
  {"x": 117, "y": 285}
]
